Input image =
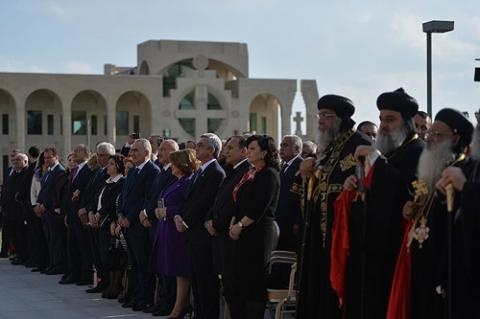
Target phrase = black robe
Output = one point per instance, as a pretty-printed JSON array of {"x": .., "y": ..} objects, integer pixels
[
  {"x": 429, "y": 260},
  {"x": 317, "y": 298},
  {"x": 466, "y": 261},
  {"x": 374, "y": 246}
]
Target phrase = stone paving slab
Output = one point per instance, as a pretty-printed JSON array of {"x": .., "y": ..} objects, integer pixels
[{"x": 27, "y": 295}]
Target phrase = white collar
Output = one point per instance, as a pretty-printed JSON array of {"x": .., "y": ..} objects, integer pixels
[
  {"x": 204, "y": 166},
  {"x": 142, "y": 165},
  {"x": 291, "y": 161},
  {"x": 115, "y": 179},
  {"x": 166, "y": 166},
  {"x": 80, "y": 166},
  {"x": 239, "y": 163},
  {"x": 53, "y": 167}
]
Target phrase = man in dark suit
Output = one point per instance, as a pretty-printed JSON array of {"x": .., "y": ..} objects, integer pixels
[
  {"x": 149, "y": 221},
  {"x": 198, "y": 201},
  {"x": 223, "y": 208},
  {"x": 12, "y": 205},
  {"x": 135, "y": 194},
  {"x": 288, "y": 210},
  {"x": 6, "y": 174},
  {"x": 80, "y": 259},
  {"x": 49, "y": 206}
]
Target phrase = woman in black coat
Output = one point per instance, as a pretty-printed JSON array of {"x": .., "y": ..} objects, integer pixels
[
  {"x": 105, "y": 215},
  {"x": 256, "y": 198}
]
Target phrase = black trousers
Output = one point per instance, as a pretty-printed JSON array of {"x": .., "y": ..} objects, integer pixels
[
  {"x": 100, "y": 240},
  {"x": 80, "y": 257},
  {"x": 16, "y": 232},
  {"x": 56, "y": 240},
  {"x": 37, "y": 242},
  {"x": 205, "y": 281},
  {"x": 140, "y": 249}
]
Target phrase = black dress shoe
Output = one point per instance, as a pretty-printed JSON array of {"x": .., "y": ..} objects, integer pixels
[
  {"x": 84, "y": 282},
  {"x": 153, "y": 308},
  {"x": 38, "y": 269},
  {"x": 67, "y": 280},
  {"x": 55, "y": 272},
  {"x": 161, "y": 313},
  {"x": 141, "y": 306},
  {"x": 129, "y": 304},
  {"x": 97, "y": 289},
  {"x": 17, "y": 261}
]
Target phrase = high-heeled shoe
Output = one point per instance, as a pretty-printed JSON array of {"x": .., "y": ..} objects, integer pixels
[{"x": 187, "y": 311}]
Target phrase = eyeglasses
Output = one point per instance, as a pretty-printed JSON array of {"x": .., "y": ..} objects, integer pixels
[
  {"x": 437, "y": 134},
  {"x": 325, "y": 115}
]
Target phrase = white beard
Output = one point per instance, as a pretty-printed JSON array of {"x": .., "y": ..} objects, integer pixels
[
  {"x": 475, "y": 150},
  {"x": 389, "y": 141},
  {"x": 323, "y": 139},
  {"x": 433, "y": 161}
]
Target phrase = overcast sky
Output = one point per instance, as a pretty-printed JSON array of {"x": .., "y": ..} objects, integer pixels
[{"x": 354, "y": 48}]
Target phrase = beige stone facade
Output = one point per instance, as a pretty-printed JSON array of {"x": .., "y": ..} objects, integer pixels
[{"x": 179, "y": 89}]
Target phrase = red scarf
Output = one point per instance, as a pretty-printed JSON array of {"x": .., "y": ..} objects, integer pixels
[
  {"x": 399, "y": 303},
  {"x": 341, "y": 239},
  {"x": 248, "y": 177}
]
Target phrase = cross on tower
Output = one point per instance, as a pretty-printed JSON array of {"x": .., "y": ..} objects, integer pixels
[
  {"x": 201, "y": 113},
  {"x": 298, "y": 123}
]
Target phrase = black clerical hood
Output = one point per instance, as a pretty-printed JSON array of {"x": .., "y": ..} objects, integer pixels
[
  {"x": 458, "y": 123},
  {"x": 342, "y": 106},
  {"x": 398, "y": 101}
]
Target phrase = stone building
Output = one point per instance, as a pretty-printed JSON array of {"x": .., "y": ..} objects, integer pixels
[{"x": 178, "y": 89}]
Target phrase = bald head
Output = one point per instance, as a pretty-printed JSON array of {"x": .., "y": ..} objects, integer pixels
[{"x": 164, "y": 150}]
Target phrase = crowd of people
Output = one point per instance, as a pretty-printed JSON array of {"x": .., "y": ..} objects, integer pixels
[{"x": 383, "y": 218}]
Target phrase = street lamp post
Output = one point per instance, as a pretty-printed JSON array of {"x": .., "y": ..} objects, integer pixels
[{"x": 434, "y": 26}]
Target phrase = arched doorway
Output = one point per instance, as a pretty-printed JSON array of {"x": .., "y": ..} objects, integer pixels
[
  {"x": 144, "y": 69},
  {"x": 89, "y": 118},
  {"x": 44, "y": 123},
  {"x": 265, "y": 116},
  {"x": 133, "y": 114}
]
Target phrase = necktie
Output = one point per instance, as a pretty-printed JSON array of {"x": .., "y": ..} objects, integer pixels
[
  {"x": 197, "y": 175},
  {"x": 45, "y": 177},
  {"x": 74, "y": 173},
  {"x": 284, "y": 167}
]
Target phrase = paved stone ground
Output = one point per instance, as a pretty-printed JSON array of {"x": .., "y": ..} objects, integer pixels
[{"x": 28, "y": 295}]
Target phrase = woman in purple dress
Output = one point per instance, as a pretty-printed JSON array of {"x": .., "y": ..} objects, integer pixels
[{"x": 172, "y": 259}]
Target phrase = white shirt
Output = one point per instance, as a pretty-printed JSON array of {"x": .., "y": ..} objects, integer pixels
[
  {"x": 141, "y": 165},
  {"x": 204, "y": 166},
  {"x": 290, "y": 162},
  {"x": 79, "y": 167},
  {"x": 53, "y": 167},
  {"x": 239, "y": 163},
  {"x": 167, "y": 166}
]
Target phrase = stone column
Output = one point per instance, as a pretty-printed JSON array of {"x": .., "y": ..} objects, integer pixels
[
  {"x": 286, "y": 115},
  {"x": 67, "y": 125},
  {"x": 20, "y": 119},
  {"x": 201, "y": 101},
  {"x": 111, "y": 116},
  {"x": 310, "y": 97}
]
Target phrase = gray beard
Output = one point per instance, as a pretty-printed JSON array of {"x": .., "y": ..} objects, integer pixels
[
  {"x": 433, "y": 160},
  {"x": 389, "y": 141},
  {"x": 475, "y": 150},
  {"x": 325, "y": 138}
]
